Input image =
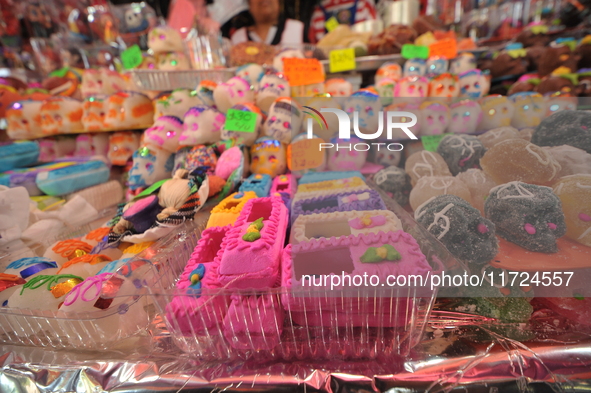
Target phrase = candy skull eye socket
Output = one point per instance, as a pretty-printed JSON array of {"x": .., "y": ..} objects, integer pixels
[
  {"x": 272, "y": 159},
  {"x": 240, "y": 93},
  {"x": 477, "y": 85},
  {"x": 350, "y": 110},
  {"x": 451, "y": 88},
  {"x": 455, "y": 116},
  {"x": 411, "y": 88},
  {"x": 255, "y": 159},
  {"x": 281, "y": 87},
  {"x": 148, "y": 165},
  {"x": 286, "y": 124},
  {"x": 441, "y": 118},
  {"x": 272, "y": 119}
]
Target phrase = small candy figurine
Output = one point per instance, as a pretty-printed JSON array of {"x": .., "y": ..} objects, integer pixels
[
  {"x": 412, "y": 86},
  {"x": 366, "y": 105},
  {"x": 497, "y": 111},
  {"x": 338, "y": 87},
  {"x": 465, "y": 61},
  {"x": 165, "y": 39},
  {"x": 205, "y": 92},
  {"x": 245, "y": 138},
  {"x": 271, "y": 87},
  {"x": 150, "y": 164},
  {"x": 202, "y": 125},
  {"x": 436, "y": 65},
  {"x": 465, "y": 115},
  {"x": 165, "y": 133},
  {"x": 434, "y": 118},
  {"x": 252, "y": 73},
  {"x": 235, "y": 91},
  {"x": 529, "y": 110},
  {"x": 92, "y": 83},
  {"x": 388, "y": 70},
  {"x": 415, "y": 67},
  {"x": 268, "y": 157},
  {"x": 474, "y": 84},
  {"x": 61, "y": 115},
  {"x": 444, "y": 85},
  {"x": 461, "y": 152},
  {"x": 284, "y": 120},
  {"x": 122, "y": 144},
  {"x": 343, "y": 158},
  {"x": 128, "y": 110}
]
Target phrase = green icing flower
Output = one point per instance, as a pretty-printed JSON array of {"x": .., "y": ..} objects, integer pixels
[{"x": 380, "y": 254}]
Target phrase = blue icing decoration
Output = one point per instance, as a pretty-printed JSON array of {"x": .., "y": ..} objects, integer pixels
[
  {"x": 74, "y": 169},
  {"x": 19, "y": 263},
  {"x": 112, "y": 267}
]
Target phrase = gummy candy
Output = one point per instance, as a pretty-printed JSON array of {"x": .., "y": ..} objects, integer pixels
[
  {"x": 479, "y": 184},
  {"x": 571, "y": 160},
  {"x": 575, "y": 194},
  {"x": 395, "y": 182},
  {"x": 496, "y": 135},
  {"x": 425, "y": 163},
  {"x": 565, "y": 128},
  {"x": 431, "y": 186},
  {"x": 461, "y": 152}
]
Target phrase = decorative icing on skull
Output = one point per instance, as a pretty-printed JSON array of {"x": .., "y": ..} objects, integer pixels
[
  {"x": 529, "y": 110},
  {"x": 128, "y": 110},
  {"x": 284, "y": 120},
  {"x": 165, "y": 133},
  {"x": 272, "y": 87},
  {"x": 385, "y": 88},
  {"x": 93, "y": 113},
  {"x": 388, "y": 70},
  {"x": 497, "y": 111},
  {"x": 415, "y": 67},
  {"x": 150, "y": 164},
  {"x": 61, "y": 115},
  {"x": 436, "y": 65},
  {"x": 202, "y": 125},
  {"x": 176, "y": 103},
  {"x": 268, "y": 157},
  {"x": 245, "y": 138},
  {"x": 434, "y": 118},
  {"x": 235, "y": 91},
  {"x": 92, "y": 83},
  {"x": 112, "y": 81},
  {"x": 343, "y": 157},
  {"x": 338, "y": 87},
  {"x": 205, "y": 92},
  {"x": 474, "y": 84},
  {"x": 465, "y": 116},
  {"x": 465, "y": 61},
  {"x": 165, "y": 39},
  {"x": 412, "y": 86},
  {"x": 121, "y": 146},
  {"x": 560, "y": 102},
  {"x": 172, "y": 61},
  {"x": 252, "y": 73},
  {"x": 444, "y": 85}
]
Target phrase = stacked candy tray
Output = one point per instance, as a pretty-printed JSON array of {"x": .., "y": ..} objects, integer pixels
[{"x": 283, "y": 320}]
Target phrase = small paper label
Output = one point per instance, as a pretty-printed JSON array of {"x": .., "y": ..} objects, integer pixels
[
  {"x": 446, "y": 48},
  {"x": 131, "y": 57},
  {"x": 305, "y": 154},
  {"x": 430, "y": 142},
  {"x": 61, "y": 72},
  {"x": 342, "y": 60},
  {"x": 410, "y": 51},
  {"x": 331, "y": 24},
  {"x": 301, "y": 72},
  {"x": 241, "y": 121}
]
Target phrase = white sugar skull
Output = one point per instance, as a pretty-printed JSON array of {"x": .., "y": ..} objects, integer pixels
[
  {"x": 363, "y": 108},
  {"x": 385, "y": 88},
  {"x": 121, "y": 146},
  {"x": 284, "y": 120},
  {"x": 497, "y": 111},
  {"x": 271, "y": 87},
  {"x": 268, "y": 157},
  {"x": 529, "y": 110},
  {"x": 388, "y": 70},
  {"x": 252, "y": 73},
  {"x": 61, "y": 115},
  {"x": 150, "y": 164},
  {"x": 560, "y": 102},
  {"x": 464, "y": 62},
  {"x": 404, "y": 107},
  {"x": 245, "y": 138},
  {"x": 434, "y": 118},
  {"x": 205, "y": 92},
  {"x": 113, "y": 82},
  {"x": 92, "y": 83},
  {"x": 338, "y": 87},
  {"x": 285, "y": 54},
  {"x": 466, "y": 115},
  {"x": 128, "y": 110},
  {"x": 165, "y": 133},
  {"x": 172, "y": 61},
  {"x": 165, "y": 39},
  {"x": 412, "y": 87},
  {"x": 388, "y": 158},
  {"x": 24, "y": 119},
  {"x": 202, "y": 126},
  {"x": 177, "y": 103},
  {"x": 345, "y": 157},
  {"x": 415, "y": 67},
  {"x": 474, "y": 84},
  {"x": 235, "y": 91},
  {"x": 323, "y": 130},
  {"x": 444, "y": 86},
  {"x": 436, "y": 65},
  {"x": 93, "y": 113}
]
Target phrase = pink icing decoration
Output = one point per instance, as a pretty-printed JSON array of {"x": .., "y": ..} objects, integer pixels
[
  {"x": 584, "y": 217},
  {"x": 96, "y": 283},
  {"x": 376, "y": 221},
  {"x": 551, "y": 225},
  {"x": 483, "y": 228},
  {"x": 529, "y": 228},
  {"x": 139, "y": 205}
]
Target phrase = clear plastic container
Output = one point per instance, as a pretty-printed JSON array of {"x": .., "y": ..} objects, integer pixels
[{"x": 157, "y": 80}]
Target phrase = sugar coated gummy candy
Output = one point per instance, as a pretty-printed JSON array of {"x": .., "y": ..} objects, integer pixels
[
  {"x": 479, "y": 184},
  {"x": 575, "y": 194},
  {"x": 432, "y": 186},
  {"x": 527, "y": 215},
  {"x": 572, "y": 160},
  {"x": 461, "y": 152},
  {"x": 395, "y": 182},
  {"x": 496, "y": 135},
  {"x": 565, "y": 128},
  {"x": 519, "y": 160},
  {"x": 425, "y": 163}
]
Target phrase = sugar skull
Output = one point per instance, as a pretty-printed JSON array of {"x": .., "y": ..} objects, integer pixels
[
  {"x": 285, "y": 54},
  {"x": 395, "y": 182},
  {"x": 560, "y": 102},
  {"x": 405, "y": 107},
  {"x": 268, "y": 157},
  {"x": 61, "y": 115},
  {"x": 338, "y": 87},
  {"x": 245, "y": 138},
  {"x": 434, "y": 118},
  {"x": 386, "y": 157},
  {"x": 84, "y": 146},
  {"x": 205, "y": 92},
  {"x": 415, "y": 67},
  {"x": 323, "y": 130},
  {"x": 412, "y": 86},
  {"x": 252, "y": 73},
  {"x": 24, "y": 119},
  {"x": 165, "y": 39},
  {"x": 150, "y": 164},
  {"x": 165, "y": 133},
  {"x": 128, "y": 110},
  {"x": 202, "y": 125},
  {"x": 112, "y": 81},
  {"x": 121, "y": 146},
  {"x": 363, "y": 108},
  {"x": 343, "y": 157},
  {"x": 385, "y": 88},
  {"x": 271, "y": 87},
  {"x": 172, "y": 61},
  {"x": 529, "y": 110},
  {"x": 465, "y": 116},
  {"x": 235, "y": 91},
  {"x": 176, "y": 103},
  {"x": 460, "y": 227},
  {"x": 437, "y": 65},
  {"x": 92, "y": 83},
  {"x": 465, "y": 61},
  {"x": 474, "y": 84},
  {"x": 300, "y": 173},
  {"x": 497, "y": 111},
  {"x": 444, "y": 86},
  {"x": 388, "y": 70},
  {"x": 284, "y": 120},
  {"x": 93, "y": 113}
]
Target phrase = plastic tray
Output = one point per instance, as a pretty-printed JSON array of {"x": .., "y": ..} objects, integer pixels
[
  {"x": 402, "y": 314},
  {"x": 170, "y": 80}
]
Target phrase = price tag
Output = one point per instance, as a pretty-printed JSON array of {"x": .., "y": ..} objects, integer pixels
[
  {"x": 447, "y": 48},
  {"x": 342, "y": 60},
  {"x": 305, "y": 154},
  {"x": 331, "y": 24},
  {"x": 410, "y": 51},
  {"x": 61, "y": 72},
  {"x": 301, "y": 72},
  {"x": 241, "y": 121},
  {"x": 131, "y": 57},
  {"x": 430, "y": 142}
]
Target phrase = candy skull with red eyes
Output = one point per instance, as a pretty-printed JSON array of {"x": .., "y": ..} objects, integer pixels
[
  {"x": 388, "y": 158},
  {"x": 412, "y": 86},
  {"x": 529, "y": 109},
  {"x": 245, "y": 137},
  {"x": 165, "y": 39},
  {"x": 271, "y": 87},
  {"x": 338, "y": 87},
  {"x": 388, "y": 70},
  {"x": 93, "y": 113},
  {"x": 363, "y": 108},
  {"x": 344, "y": 157},
  {"x": 165, "y": 133},
  {"x": 474, "y": 84},
  {"x": 444, "y": 86},
  {"x": 437, "y": 65},
  {"x": 284, "y": 120},
  {"x": 235, "y": 91},
  {"x": 268, "y": 157},
  {"x": 497, "y": 111},
  {"x": 434, "y": 118},
  {"x": 415, "y": 67},
  {"x": 465, "y": 116},
  {"x": 92, "y": 83},
  {"x": 465, "y": 61},
  {"x": 202, "y": 126}
]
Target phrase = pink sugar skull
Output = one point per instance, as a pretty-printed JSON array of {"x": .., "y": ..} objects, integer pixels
[
  {"x": 412, "y": 86},
  {"x": 235, "y": 91},
  {"x": 47, "y": 147},
  {"x": 529, "y": 110},
  {"x": 165, "y": 133},
  {"x": 84, "y": 146},
  {"x": 444, "y": 86},
  {"x": 338, "y": 87},
  {"x": 271, "y": 87},
  {"x": 464, "y": 62},
  {"x": 202, "y": 126},
  {"x": 474, "y": 84},
  {"x": 388, "y": 70},
  {"x": 497, "y": 111},
  {"x": 465, "y": 115},
  {"x": 345, "y": 157},
  {"x": 245, "y": 138},
  {"x": 434, "y": 118},
  {"x": 284, "y": 120}
]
